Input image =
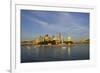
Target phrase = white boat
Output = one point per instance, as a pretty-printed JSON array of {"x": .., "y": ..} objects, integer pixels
[
  {"x": 63, "y": 47},
  {"x": 28, "y": 47}
]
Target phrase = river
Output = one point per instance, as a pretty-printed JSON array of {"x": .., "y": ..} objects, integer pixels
[{"x": 54, "y": 53}]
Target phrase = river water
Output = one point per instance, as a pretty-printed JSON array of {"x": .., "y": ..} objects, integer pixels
[{"x": 54, "y": 53}]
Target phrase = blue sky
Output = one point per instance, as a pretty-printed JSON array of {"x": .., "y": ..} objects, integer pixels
[{"x": 35, "y": 22}]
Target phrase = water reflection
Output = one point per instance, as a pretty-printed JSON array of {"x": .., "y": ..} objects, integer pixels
[
  {"x": 54, "y": 53},
  {"x": 69, "y": 52}
]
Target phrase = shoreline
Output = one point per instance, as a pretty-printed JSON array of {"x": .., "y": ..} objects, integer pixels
[{"x": 56, "y": 44}]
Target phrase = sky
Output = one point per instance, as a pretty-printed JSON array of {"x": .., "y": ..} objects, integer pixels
[{"x": 35, "y": 23}]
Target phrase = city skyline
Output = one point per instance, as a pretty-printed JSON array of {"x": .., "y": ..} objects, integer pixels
[{"x": 35, "y": 23}]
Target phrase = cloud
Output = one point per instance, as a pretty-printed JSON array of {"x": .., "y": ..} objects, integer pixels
[{"x": 65, "y": 23}]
